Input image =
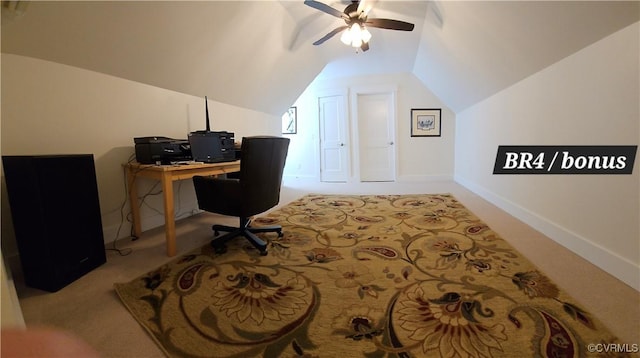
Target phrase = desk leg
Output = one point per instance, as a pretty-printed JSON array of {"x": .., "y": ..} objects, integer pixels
[
  {"x": 133, "y": 202},
  {"x": 169, "y": 221}
]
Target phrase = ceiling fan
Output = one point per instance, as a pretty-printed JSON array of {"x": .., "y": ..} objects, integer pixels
[{"x": 355, "y": 16}]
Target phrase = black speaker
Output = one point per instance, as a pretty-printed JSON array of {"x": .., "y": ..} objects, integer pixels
[{"x": 56, "y": 217}]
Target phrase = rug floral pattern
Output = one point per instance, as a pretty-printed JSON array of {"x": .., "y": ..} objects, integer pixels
[{"x": 362, "y": 276}]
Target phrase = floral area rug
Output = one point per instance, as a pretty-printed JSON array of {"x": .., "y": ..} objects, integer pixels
[{"x": 362, "y": 276}]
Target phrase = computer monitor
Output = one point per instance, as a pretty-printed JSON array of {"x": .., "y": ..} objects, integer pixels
[{"x": 206, "y": 147}]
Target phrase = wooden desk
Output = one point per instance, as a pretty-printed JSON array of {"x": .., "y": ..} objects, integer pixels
[{"x": 167, "y": 174}]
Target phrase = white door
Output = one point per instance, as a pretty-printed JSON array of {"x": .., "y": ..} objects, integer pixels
[
  {"x": 334, "y": 149},
  {"x": 376, "y": 122}
]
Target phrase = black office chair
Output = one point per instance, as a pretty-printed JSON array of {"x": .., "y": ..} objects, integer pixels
[{"x": 256, "y": 190}]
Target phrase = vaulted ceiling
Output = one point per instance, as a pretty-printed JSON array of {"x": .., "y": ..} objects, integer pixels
[{"x": 259, "y": 54}]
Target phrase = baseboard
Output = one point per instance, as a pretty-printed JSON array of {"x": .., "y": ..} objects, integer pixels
[
  {"x": 621, "y": 268},
  {"x": 423, "y": 178},
  {"x": 310, "y": 179},
  {"x": 111, "y": 233},
  {"x": 299, "y": 179}
]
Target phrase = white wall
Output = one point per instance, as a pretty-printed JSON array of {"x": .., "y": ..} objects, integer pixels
[
  {"x": 10, "y": 313},
  {"x": 589, "y": 98},
  {"x": 418, "y": 158},
  {"x": 49, "y": 108}
]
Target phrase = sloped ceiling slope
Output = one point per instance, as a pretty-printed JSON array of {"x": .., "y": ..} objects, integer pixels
[
  {"x": 258, "y": 54},
  {"x": 235, "y": 52},
  {"x": 483, "y": 47}
]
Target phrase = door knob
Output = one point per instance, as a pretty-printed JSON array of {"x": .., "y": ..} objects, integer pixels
[
  {"x": 390, "y": 143},
  {"x": 342, "y": 144}
]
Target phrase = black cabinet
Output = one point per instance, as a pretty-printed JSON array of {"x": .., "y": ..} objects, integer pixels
[{"x": 56, "y": 216}]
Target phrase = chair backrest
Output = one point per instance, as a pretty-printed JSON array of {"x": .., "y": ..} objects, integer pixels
[{"x": 262, "y": 162}]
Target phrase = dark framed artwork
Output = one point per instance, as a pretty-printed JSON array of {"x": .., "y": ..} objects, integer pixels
[
  {"x": 290, "y": 121},
  {"x": 426, "y": 122}
]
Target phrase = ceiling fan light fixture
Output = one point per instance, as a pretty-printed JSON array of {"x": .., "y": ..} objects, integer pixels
[
  {"x": 366, "y": 35},
  {"x": 346, "y": 37},
  {"x": 355, "y": 16},
  {"x": 355, "y": 35}
]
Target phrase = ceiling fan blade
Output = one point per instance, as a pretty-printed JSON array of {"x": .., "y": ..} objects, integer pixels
[
  {"x": 325, "y": 8},
  {"x": 364, "y": 6},
  {"x": 330, "y": 35},
  {"x": 390, "y": 24}
]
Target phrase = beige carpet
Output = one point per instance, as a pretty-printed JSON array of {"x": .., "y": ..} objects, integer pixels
[{"x": 371, "y": 275}]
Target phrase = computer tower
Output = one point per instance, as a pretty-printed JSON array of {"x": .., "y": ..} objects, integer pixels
[{"x": 56, "y": 217}]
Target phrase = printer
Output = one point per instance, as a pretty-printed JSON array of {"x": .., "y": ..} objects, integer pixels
[
  {"x": 163, "y": 150},
  {"x": 202, "y": 146}
]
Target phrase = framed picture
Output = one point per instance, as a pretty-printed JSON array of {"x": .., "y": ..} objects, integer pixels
[
  {"x": 426, "y": 122},
  {"x": 290, "y": 121}
]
